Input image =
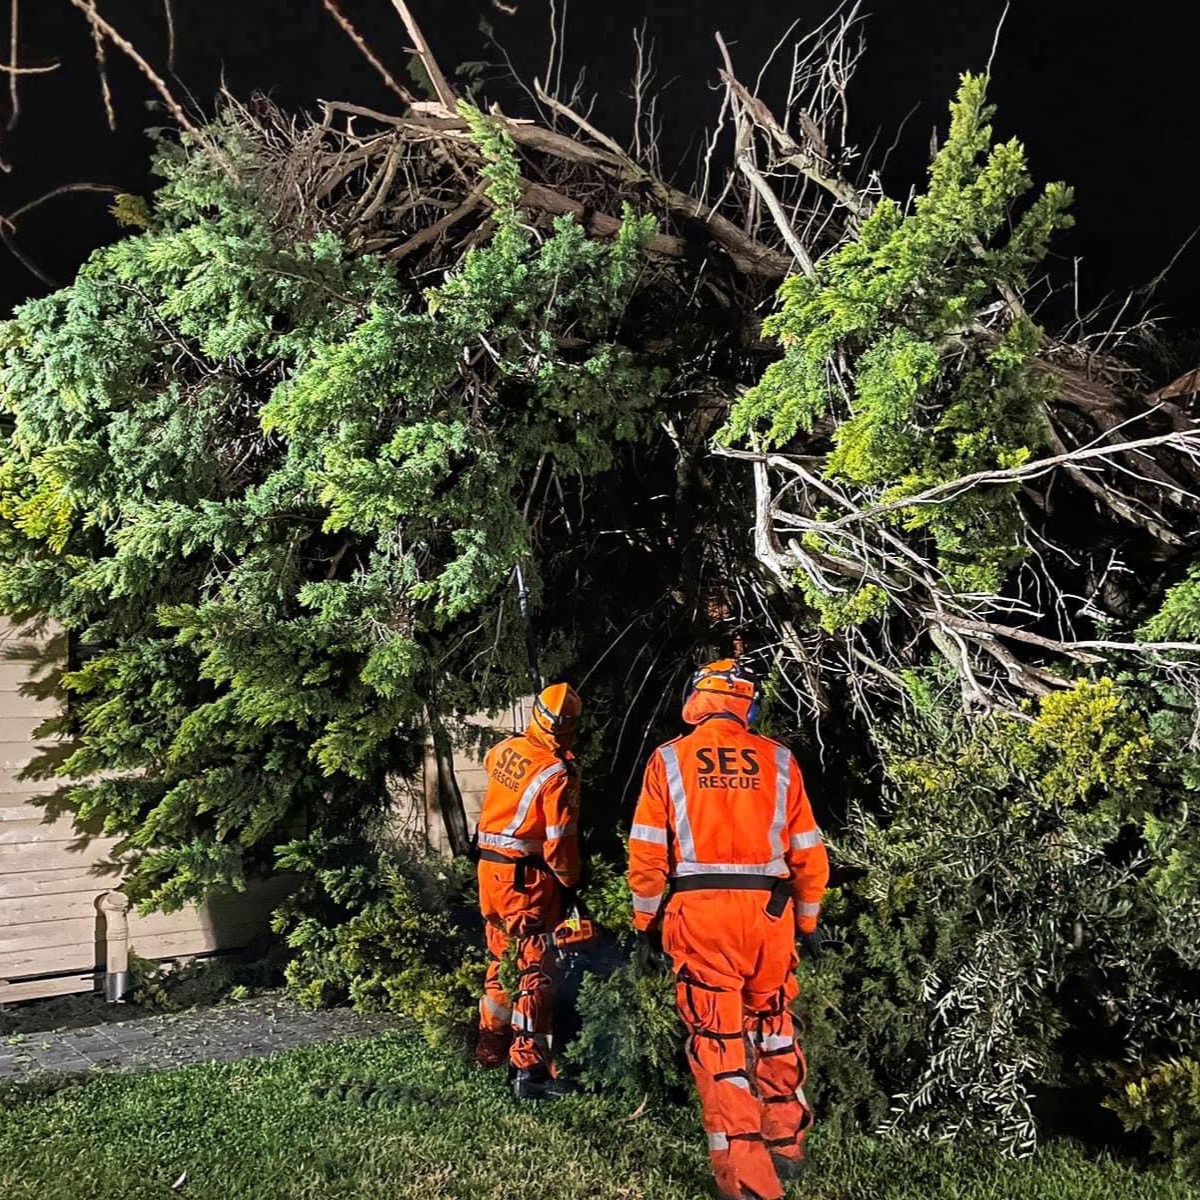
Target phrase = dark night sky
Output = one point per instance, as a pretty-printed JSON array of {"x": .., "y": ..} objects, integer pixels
[{"x": 1102, "y": 93}]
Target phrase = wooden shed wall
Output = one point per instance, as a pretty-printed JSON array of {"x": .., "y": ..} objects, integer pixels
[
  {"x": 52, "y": 937},
  {"x": 468, "y": 770}
]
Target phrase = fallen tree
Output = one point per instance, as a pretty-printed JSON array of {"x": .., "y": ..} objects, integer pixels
[{"x": 376, "y": 417}]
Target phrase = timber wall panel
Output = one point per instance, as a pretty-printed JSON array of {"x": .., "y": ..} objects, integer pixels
[
  {"x": 469, "y": 772},
  {"x": 51, "y": 873}
]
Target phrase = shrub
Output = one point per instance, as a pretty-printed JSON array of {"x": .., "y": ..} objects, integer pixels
[
  {"x": 246, "y": 465},
  {"x": 1024, "y": 915},
  {"x": 1166, "y": 1103},
  {"x": 403, "y": 936},
  {"x": 630, "y": 1040}
]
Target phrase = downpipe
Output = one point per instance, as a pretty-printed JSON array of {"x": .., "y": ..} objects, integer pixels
[{"x": 114, "y": 908}]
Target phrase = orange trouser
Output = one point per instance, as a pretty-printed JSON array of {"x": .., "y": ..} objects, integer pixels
[
  {"x": 517, "y": 1028},
  {"x": 735, "y": 981}
]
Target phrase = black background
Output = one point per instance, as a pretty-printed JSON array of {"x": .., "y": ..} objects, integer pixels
[{"x": 1102, "y": 93}]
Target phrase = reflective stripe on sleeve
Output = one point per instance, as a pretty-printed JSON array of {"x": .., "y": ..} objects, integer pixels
[
  {"x": 783, "y": 776},
  {"x": 683, "y": 826},
  {"x": 499, "y": 1011},
  {"x": 739, "y": 1081},
  {"x": 806, "y": 841},
  {"x": 648, "y": 833},
  {"x": 809, "y": 910},
  {"x": 647, "y": 904},
  {"x": 718, "y": 1141},
  {"x": 776, "y": 866},
  {"x": 501, "y": 841},
  {"x": 529, "y": 795},
  {"x": 771, "y": 1042},
  {"x": 553, "y": 832}
]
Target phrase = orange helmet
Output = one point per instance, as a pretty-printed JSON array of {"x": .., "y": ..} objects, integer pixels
[
  {"x": 557, "y": 709},
  {"x": 722, "y": 687},
  {"x": 726, "y": 676}
]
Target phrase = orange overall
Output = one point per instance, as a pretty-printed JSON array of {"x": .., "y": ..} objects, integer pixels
[
  {"x": 724, "y": 835},
  {"x": 529, "y": 854}
]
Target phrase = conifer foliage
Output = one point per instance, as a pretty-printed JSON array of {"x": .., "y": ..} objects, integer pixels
[
  {"x": 276, "y": 458},
  {"x": 268, "y": 486}
]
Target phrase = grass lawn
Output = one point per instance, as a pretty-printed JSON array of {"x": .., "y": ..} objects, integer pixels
[{"x": 264, "y": 1129}]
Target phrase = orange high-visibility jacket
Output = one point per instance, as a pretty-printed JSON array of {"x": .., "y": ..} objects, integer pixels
[
  {"x": 724, "y": 801},
  {"x": 532, "y": 805}
]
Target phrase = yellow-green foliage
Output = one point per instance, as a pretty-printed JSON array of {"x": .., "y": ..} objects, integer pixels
[
  {"x": 1084, "y": 742},
  {"x": 131, "y": 211},
  {"x": 840, "y": 610},
  {"x": 1166, "y": 1103},
  {"x": 891, "y": 316}
]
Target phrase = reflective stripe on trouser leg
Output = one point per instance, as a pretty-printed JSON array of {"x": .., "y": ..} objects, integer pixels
[
  {"x": 717, "y": 1056},
  {"x": 779, "y": 1070},
  {"x": 495, "y": 1020},
  {"x": 533, "y": 1005}
]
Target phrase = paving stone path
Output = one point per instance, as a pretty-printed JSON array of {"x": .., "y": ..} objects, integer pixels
[{"x": 249, "y": 1029}]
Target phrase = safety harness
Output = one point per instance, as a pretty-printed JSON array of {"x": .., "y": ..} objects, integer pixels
[
  {"x": 780, "y": 889},
  {"x": 522, "y": 865}
]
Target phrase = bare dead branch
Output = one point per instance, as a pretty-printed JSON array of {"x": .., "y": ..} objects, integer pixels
[
  {"x": 65, "y": 189},
  {"x": 102, "y": 70},
  {"x": 88, "y": 8},
  {"x": 432, "y": 232},
  {"x": 169, "y": 14},
  {"x": 9, "y": 69},
  {"x": 749, "y": 254},
  {"x": 331, "y": 6},
  {"x": 11, "y": 246},
  {"x": 14, "y": 68},
  {"x": 443, "y": 91}
]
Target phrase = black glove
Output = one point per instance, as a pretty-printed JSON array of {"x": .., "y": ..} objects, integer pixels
[
  {"x": 811, "y": 943},
  {"x": 649, "y": 954}
]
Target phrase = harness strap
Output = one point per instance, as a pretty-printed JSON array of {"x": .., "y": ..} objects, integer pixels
[
  {"x": 780, "y": 889},
  {"x": 722, "y": 883},
  {"x": 528, "y": 862}
]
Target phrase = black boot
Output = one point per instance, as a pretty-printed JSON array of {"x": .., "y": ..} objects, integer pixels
[{"x": 536, "y": 1083}]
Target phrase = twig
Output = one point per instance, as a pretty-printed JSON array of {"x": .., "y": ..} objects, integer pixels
[
  {"x": 797, "y": 247},
  {"x": 8, "y": 224},
  {"x": 9, "y": 69},
  {"x": 432, "y": 232},
  {"x": 443, "y": 91},
  {"x": 792, "y": 153},
  {"x": 749, "y": 254},
  {"x": 365, "y": 50},
  {"x": 14, "y": 68},
  {"x": 88, "y": 8},
  {"x": 638, "y": 1112},
  {"x": 747, "y": 166},
  {"x": 11, "y": 246},
  {"x": 996, "y": 38},
  {"x": 169, "y": 13},
  {"x": 104, "y": 188},
  {"x": 942, "y": 492},
  {"x": 1076, "y": 649},
  {"x": 102, "y": 70}
]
